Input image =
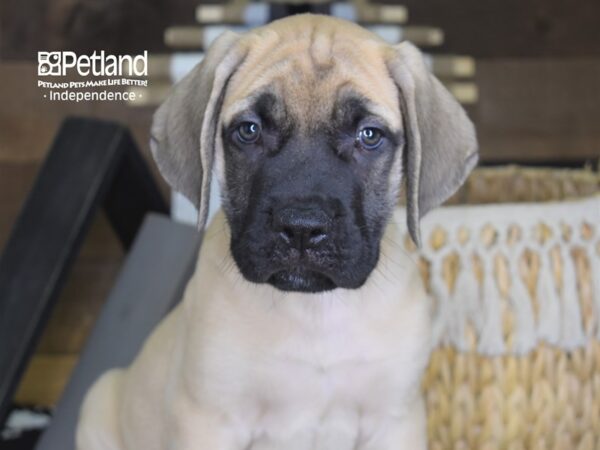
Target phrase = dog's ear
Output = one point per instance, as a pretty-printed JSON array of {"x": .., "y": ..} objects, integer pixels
[
  {"x": 183, "y": 134},
  {"x": 441, "y": 146}
]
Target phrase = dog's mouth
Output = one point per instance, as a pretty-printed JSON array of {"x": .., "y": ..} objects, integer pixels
[{"x": 301, "y": 280}]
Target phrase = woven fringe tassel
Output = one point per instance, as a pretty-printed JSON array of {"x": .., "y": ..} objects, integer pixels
[
  {"x": 572, "y": 333},
  {"x": 594, "y": 260},
  {"x": 524, "y": 336},
  {"x": 491, "y": 341},
  {"x": 439, "y": 292},
  {"x": 548, "y": 325},
  {"x": 466, "y": 305}
]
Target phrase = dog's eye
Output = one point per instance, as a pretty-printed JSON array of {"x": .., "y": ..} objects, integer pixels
[
  {"x": 248, "y": 132},
  {"x": 370, "y": 138}
]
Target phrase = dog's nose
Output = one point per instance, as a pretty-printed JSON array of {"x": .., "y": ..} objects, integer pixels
[{"x": 301, "y": 228}]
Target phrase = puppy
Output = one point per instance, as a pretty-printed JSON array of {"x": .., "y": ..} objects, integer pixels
[{"x": 304, "y": 326}]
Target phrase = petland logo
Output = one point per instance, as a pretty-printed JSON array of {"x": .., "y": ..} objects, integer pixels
[
  {"x": 96, "y": 64},
  {"x": 105, "y": 77}
]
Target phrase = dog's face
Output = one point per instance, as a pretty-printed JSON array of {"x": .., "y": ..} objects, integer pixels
[
  {"x": 309, "y": 149},
  {"x": 307, "y": 198},
  {"x": 312, "y": 122}
]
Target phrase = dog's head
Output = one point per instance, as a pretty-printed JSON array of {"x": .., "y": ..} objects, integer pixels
[{"x": 312, "y": 123}]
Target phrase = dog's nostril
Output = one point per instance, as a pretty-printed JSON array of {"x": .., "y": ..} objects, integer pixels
[
  {"x": 317, "y": 236},
  {"x": 301, "y": 228},
  {"x": 316, "y": 232},
  {"x": 287, "y": 234}
]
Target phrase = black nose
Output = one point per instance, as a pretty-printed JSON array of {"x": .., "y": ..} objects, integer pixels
[{"x": 301, "y": 227}]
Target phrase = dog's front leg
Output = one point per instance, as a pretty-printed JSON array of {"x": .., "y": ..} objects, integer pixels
[
  {"x": 99, "y": 422},
  {"x": 202, "y": 429},
  {"x": 208, "y": 435}
]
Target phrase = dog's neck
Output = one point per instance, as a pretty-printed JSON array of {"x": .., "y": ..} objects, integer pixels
[{"x": 394, "y": 276}]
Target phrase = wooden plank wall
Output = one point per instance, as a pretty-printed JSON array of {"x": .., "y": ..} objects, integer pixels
[
  {"x": 482, "y": 28},
  {"x": 28, "y": 124},
  {"x": 513, "y": 28},
  {"x": 538, "y": 67},
  {"x": 538, "y": 71},
  {"x": 538, "y": 108}
]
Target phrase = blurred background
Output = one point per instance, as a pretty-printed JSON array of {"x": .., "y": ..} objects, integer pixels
[{"x": 531, "y": 84}]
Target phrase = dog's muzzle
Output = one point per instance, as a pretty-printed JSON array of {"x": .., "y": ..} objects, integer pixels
[{"x": 302, "y": 237}]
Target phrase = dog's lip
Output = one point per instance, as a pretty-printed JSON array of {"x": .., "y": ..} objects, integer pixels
[
  {"x": 302, "y": 265},
  {"x": 301, "y": 279}
]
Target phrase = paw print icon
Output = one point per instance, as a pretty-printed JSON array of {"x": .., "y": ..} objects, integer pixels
[{"x": 49, "y": 63}]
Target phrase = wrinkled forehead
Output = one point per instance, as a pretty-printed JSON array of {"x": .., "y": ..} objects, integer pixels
[{"x": 312, "y": 80}]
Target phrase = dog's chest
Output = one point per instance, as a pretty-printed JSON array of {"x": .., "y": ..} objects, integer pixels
[
  {"x": 329, "y": 368},
  {"x": 336, "y": 390},
  {"x": 306, "y": 383}
]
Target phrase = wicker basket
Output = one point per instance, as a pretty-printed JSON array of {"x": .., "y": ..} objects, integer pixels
[{"x": 515, "y": 292}]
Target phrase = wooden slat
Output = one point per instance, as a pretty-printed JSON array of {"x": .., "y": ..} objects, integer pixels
[
  {"x": 451, "y": 65},
  {"x": 45, "y": 379},
  {"x": 76, "y": 310},
  {"x": 201, "y": 37},
  {"x": 465, "y": 92},
  {"x": 241, "y": 12},
  {"x": 235, "y": 12},
  {"x": 423, "y": 36}
]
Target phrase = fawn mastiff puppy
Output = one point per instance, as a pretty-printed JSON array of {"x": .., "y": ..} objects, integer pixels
[{"x": 304, "y": 326}]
